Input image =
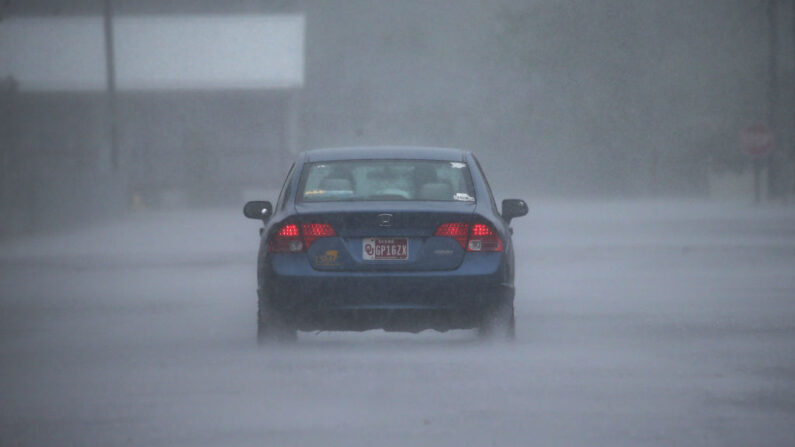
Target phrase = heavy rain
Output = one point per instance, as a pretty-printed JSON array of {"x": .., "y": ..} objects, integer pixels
[{"x": 654, "y": 143}]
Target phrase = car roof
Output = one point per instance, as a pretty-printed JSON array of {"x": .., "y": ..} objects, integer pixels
[{"x": 386, "y": 152}]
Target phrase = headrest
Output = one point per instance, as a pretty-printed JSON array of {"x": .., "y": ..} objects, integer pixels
[{"x": 436, "y": 191}]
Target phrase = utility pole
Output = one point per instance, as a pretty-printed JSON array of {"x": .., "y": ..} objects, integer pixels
[
  {"x": 773, "y": 170},
  {"x": 110, "y": 71},
  {"x": 8, "y": 120},
  {"x": 789, "y": 117}
]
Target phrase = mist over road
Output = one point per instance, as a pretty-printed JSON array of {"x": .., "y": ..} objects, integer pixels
[{"x": 665, "y": 323}]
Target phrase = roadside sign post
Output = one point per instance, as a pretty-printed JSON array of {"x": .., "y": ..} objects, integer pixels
[{"x": 756, "y": 140}]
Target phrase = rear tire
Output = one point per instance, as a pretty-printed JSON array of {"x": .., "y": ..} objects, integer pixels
[
  {"x": 499, "y": 323},
  {"x": 272, "y": 326}
]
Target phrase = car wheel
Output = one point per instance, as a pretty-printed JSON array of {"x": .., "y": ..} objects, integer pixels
[
  {"x": 272, "y": 326},
  {"x": 499, "y": 323}
]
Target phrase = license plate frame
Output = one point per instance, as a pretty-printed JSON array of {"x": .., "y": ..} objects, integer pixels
[{"x": 385, "y": 249}]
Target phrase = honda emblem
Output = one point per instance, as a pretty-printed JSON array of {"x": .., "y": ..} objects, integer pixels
[{"x": 384, "y": 220}]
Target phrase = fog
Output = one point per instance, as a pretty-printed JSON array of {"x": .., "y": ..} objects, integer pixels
[{"x": 654, "y": 284}]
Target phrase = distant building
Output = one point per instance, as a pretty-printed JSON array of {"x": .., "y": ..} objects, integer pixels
[{"x": 206, "y": 104}]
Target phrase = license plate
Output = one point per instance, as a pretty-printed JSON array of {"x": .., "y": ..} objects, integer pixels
[{"x": 385, "y": 249}]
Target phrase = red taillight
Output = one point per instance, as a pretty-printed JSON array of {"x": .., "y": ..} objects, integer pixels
[
  {"x": 457, "y": 230},
  {"x": 287, "y": 240},
  {"x": 289, "y": 231},
  {"x": 476, "y": 237},
  {"x": 482, "y": 237},
  {"x": 290, "y": 240},
  {"x": 314, "y": 231}
]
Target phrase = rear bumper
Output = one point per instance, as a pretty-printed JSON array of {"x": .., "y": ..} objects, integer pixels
[{"x": 406, "y": 301}]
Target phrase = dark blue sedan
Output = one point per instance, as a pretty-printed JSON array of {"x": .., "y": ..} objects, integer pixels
[{"x": 394, "y": 238}]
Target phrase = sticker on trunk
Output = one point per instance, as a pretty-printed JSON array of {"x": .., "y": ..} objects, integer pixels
[{"x": 329, "y": 258}]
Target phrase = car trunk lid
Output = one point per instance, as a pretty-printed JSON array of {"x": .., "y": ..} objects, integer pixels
[{"x": 385, "y": 235}]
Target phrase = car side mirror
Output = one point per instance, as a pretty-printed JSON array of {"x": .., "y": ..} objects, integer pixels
[
  {"x": 257, "y": 209},
  {"x": 513, "y": 208}
]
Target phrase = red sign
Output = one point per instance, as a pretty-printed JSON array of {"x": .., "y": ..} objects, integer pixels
[{"x": 756, "y": 140}]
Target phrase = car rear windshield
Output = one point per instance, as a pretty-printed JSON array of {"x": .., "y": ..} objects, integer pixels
[{"x": 389, "y": 180}]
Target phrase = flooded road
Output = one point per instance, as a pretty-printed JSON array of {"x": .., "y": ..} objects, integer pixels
[{"x": 637, "y": 324}]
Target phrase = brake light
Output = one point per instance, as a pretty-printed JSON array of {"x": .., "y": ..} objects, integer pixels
[
  {"x": 482, "y": 237},
  {"x": 292, "y": 239},
  {"x": 287, "y": 240},
  {"x": 457, "y": 230},
  {"x": 476, "y": 237},
  {"x": 315, "y": 231}
]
